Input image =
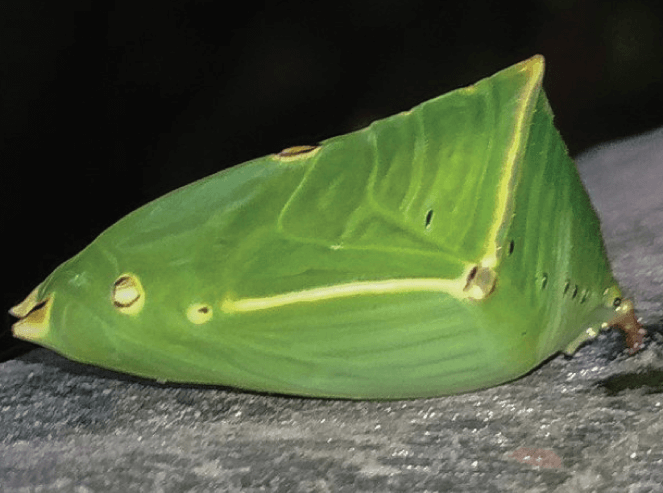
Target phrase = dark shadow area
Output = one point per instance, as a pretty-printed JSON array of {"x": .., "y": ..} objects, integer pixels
[
  {"x": 649, "y": 382},
  {"x": 10, "y": 347}
]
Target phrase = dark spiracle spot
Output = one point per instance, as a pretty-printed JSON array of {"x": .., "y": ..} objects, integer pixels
[{"x": 429, "y": 218}]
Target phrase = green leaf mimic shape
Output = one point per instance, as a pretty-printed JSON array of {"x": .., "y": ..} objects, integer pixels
[{"x": 448, "y": 248}]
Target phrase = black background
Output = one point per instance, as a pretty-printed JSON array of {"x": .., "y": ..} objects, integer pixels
[{"x": 106, "y": 105}]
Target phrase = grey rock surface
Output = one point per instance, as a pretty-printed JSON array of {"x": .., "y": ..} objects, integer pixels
[{"x": 590, "y": 423}]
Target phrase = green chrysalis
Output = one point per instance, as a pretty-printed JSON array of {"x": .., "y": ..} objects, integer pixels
[{"x": 445, "y": 249}]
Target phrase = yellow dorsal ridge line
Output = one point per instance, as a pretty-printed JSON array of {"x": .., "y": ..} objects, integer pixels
[
  {"x": 535, "y": 67},
  {"x": 453, "y": 287}
]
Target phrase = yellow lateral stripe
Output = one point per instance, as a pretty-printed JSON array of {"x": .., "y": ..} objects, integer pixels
[
  {"x": 535, "y": 66},
  {"x": 454, "y": 287}
]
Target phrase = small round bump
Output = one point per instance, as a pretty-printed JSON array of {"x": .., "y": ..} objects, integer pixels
[
  {"x": 128, "y": 295},
  {"x": 480, "y": 282},
  {"x": 297, "y": 152},
  {"x": 199, "y": 313}
]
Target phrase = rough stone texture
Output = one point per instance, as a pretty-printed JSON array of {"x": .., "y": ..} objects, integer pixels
[{"x": 589, "y": 423}]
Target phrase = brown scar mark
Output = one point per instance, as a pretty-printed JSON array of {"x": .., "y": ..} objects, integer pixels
[
  {"x": 627, "y": 322},
  {"x": 296, "y": 151},
  {"x": 480, "y": 282}
]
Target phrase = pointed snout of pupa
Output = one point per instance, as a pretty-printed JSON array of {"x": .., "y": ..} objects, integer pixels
[{"x": 34, "y": 316}]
